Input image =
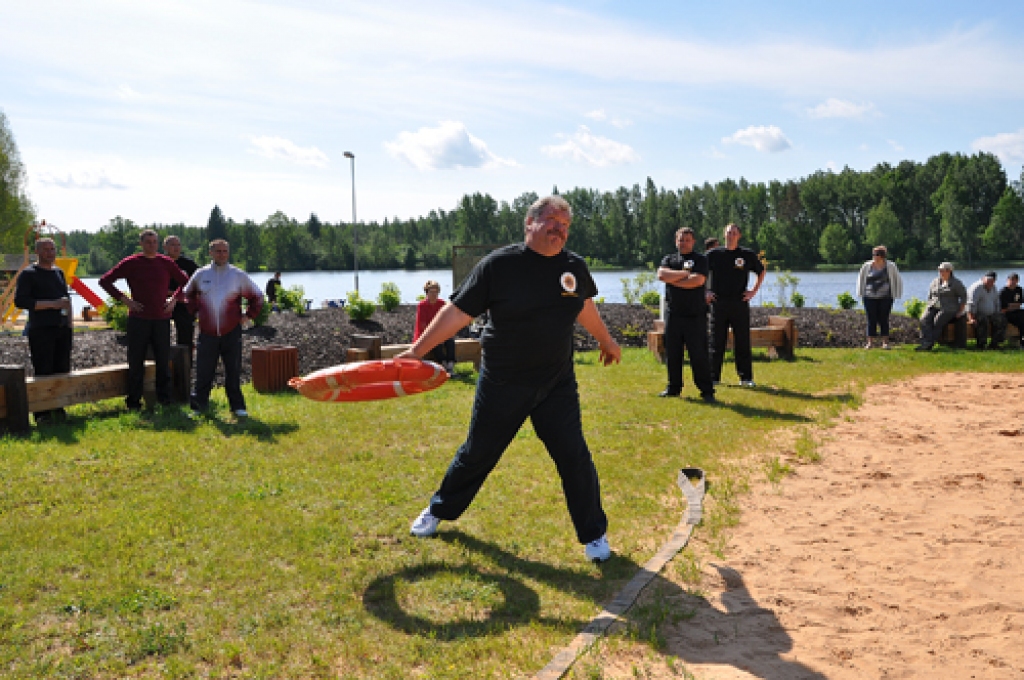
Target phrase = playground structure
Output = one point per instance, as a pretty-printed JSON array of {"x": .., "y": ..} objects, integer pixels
[{"x": 12, "y": 268}]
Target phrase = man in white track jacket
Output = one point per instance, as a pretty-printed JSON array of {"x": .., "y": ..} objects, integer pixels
[{"x": 216, "y": 291}]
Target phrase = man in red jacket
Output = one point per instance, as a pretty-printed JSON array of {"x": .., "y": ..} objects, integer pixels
[{"x": 149, "y": 275}]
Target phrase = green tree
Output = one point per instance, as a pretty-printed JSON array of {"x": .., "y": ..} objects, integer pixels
[
  {"x": 119, "y": 238},
  {"x": 883, "y": 228},
  {"x": 16, "y": 211},
  {"x": 836, "y": 246},
  {"x": 1004, "y": 236},
  {"x": 216, "y": 226}
]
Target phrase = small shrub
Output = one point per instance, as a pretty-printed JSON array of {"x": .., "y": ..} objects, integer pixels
[
  {"x": 292, "y": 299},
  {"x": 768, "y": 303},
  {"x": 390, "y": 297},
  {"x": 846, "y": 301},
  {"x": 633, "y": 289},
  {"x": 797, "y": 299},
  {"x": 264, "y": 315},
  {"x": 359, "y": 309},
  {"x": 650, "y": 298},
  {"x": 599, "y": 301},
  {"x": 116, "y": 314},
  {"x": 915, "y": 308}
]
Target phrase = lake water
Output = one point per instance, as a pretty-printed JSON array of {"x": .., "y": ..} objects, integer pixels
[{"x": 819, "y": 288}]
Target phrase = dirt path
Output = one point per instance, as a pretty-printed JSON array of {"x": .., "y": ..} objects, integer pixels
[{"x": 899, "y": 555}]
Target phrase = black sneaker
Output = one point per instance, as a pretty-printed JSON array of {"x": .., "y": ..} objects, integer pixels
[{"x": 668, "y": 393}]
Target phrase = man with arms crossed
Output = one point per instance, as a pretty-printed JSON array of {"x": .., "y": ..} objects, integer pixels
[
  {"x": 184, "y": 320},
  {"x": 43, "y": 291},
  {"x": 535, "y": 292},
  {"x": 149, "y": 275},
  {"x": 730, "y": 268},
  {"x": 684, "y": 274},
  {"x": 1010, "y": 299},
  {"x": 217, "y": 290}
]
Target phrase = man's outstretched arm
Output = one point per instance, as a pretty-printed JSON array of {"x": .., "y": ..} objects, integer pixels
[{"x": 591, "y": 319}]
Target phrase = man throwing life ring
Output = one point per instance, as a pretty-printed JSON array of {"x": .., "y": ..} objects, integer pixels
[{"x": 534, "y": 292}]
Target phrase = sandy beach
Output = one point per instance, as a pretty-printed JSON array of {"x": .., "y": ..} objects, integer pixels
[{"x": 899, "y": 555}]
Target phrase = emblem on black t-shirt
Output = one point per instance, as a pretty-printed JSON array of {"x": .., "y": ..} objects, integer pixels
[
  {"x": 568, "y": 281},
  {"x": 740, "y": 263},
  {"x": 688, "y": 265}
]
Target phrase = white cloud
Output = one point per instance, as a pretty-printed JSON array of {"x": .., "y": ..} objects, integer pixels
[
  {"x": 715, "y": 153},
  {"x": 764, "y": 138},
  {"x": 602, "y": 117},
  {"x": 86, "y": 179},
  {"x": 895, "y": 145},
  {"x": 278, "y": 147},
  {"x": 583, "y": 146},
  {"x": 449, "y": 145},
  {"x": 1008, "y": 146},
  {"x": 838, "y": 108}
]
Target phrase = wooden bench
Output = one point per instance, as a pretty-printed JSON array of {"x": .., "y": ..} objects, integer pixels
[
  {"x": 20, "y": 395},
  {"x": 466, "y": 350},
  {"x": 950, "y": 331},
  {"x": 779, "y": 336}
]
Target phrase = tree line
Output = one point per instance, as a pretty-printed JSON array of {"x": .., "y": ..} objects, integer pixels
[{"x": 953, "y": 206}]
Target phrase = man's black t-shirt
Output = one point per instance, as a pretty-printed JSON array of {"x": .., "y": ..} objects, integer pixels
[
  {"x": 272, "y": 286},
  {"x": 533, "y": 302},
  {"x": 1006, "y": 296},
  {"x": 38, "y": 283},
  {"x": 686, "y": 301},
  {"x": 185, "y": 264},
  {"x": 730, "y": 271}
]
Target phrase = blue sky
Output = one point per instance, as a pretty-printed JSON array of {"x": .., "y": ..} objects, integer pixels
[{"x": 157, "y": 110}]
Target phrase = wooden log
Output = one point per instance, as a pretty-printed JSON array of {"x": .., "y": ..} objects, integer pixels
[
  {"x": 371, "y": 343},
  {"x": 656, "y": 343},
  {"x": 14, "y": 418},
  {"x": 86, "y": 386},
  {"x": 357, "y": 354},
  {"x": 466, "y": 350}
]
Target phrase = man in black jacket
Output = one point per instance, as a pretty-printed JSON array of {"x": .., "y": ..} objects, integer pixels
[
  {"x": 184, "y": 320},
  {"x": 684, "y": 274},
  {"x": 43, "y": 291}
]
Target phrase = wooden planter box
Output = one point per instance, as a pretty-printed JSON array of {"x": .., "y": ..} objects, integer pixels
[{"x": 273, "y": 366}]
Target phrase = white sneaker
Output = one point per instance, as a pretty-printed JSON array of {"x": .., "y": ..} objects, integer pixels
[
  {"x": 241, "y": 413},
  {"x": 599, "y": 550},
  {"x": 748, "y": 383},
  {"x": 425, "y": 525}
]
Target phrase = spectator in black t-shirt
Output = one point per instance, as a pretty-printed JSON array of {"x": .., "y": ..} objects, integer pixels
[
  {"x": 1010, "y": 299},
  {"x": 184, "y": 320},
  {"x": 730, "y": 273},
  {"x": 535, "y": 292},
  {"x": 684, "y": 274},
  {"x": 43, "y": 291},
  {"x": 272, "y": 286}
]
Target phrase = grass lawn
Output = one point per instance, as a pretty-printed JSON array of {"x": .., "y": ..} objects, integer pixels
[{"x": 151, "y": 545}]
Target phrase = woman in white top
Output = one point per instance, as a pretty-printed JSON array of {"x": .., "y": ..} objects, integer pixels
[{"x": 878, "y": 284}]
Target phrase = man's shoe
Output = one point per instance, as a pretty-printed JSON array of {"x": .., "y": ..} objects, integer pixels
[
  {"x": 241, "y": 413},
  {"x": 708, "y": 397},
  {"x": 716, "y": 383},
  {"x": 923, "y": 348},
  {"x": 425, "y": 525},
  {"x": 748, "y": 383},
  {"x": 599, "y": 550},
  {"x": 668, "y": 393}
]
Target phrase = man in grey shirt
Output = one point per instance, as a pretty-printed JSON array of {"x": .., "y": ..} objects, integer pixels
[
  {"x": 983, "y": 308},
  {"x": 947, "y": 298}
]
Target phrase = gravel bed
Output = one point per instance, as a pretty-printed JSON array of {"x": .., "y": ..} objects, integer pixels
[{"x": 322, "y": 336}]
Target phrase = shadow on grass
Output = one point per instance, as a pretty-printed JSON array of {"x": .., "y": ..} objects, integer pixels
[
  {"x": 647, "y": 622},
  {"x": 160, "y": 419},
  {"x": 754, "y": 411},
  {"x": 252, "y": 427}
]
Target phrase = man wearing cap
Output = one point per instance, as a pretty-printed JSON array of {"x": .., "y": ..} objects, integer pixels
[
  {"x": 947, "y": 298},
  {"x": 983, "y": 308},
  {"x": 1010, "y": 299}
]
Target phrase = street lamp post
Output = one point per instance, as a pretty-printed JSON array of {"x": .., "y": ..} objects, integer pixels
[{"x": 355, "y": 240}]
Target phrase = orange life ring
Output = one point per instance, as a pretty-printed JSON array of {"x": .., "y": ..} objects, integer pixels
[{"x": 370, "y": 380}]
